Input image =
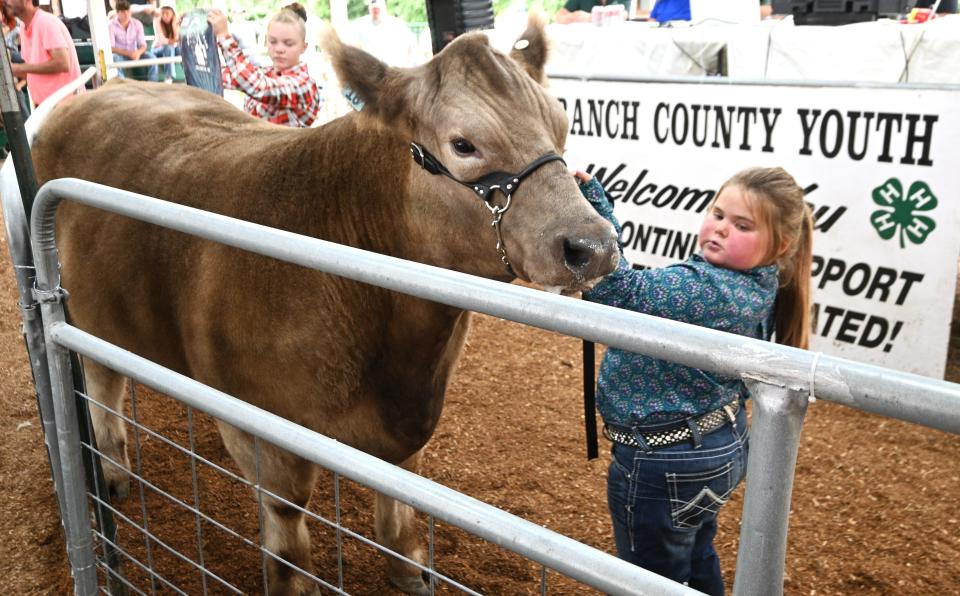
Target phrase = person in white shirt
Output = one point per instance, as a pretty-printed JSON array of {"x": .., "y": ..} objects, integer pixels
[{"x": 385, "y": 36}]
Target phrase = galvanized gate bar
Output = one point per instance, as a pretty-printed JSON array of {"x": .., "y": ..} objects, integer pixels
[
  {"x": 19, "y": 188},
  {"x": 774, "y": 442},
  {"x": 585, "y": 564},
  {"x": 871, "y": 388},
  {"x": 79, "y": 538},
  {"x": 18, "y": 241}
]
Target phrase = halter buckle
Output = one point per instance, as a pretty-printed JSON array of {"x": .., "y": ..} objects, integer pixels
[
  {"x": 417, "y": 154},
  {"x": 428, "y": 162}
]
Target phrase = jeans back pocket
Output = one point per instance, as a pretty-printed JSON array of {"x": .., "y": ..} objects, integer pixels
[{"x": 697, "y": 497}]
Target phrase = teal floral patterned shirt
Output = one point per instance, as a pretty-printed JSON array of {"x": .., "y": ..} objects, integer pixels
[{"x": 636, "y": 389}]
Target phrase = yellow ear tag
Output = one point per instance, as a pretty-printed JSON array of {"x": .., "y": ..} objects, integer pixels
[{"x": 521, "y": 44}]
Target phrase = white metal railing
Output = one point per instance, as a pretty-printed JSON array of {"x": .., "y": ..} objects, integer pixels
[{"x": 127, "y": 64}]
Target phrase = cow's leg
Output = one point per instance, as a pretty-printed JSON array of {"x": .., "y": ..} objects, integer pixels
[
  {"x": 284, "y": 526},
  {"x": 107, "y": 387},
  {"x": 396, "y": 529}
]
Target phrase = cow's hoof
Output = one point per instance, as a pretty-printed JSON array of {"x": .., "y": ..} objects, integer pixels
[
  {"x": 117, "y": 481},
  {"x": 412, "y": 584}
]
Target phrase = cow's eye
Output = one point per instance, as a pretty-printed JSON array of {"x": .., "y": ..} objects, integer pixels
[{"x": 463, "y": 146}]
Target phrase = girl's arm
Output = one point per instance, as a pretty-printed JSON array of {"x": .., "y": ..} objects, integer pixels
[
  {"x": 677, "y": 292},
  {"x": 221, "y": 30},
  {"x": 668, "y": 292}
]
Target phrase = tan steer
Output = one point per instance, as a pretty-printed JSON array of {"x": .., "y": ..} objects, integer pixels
[{"x": 363, "y": 365}]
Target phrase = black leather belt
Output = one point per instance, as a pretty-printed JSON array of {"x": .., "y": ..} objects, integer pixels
[{"x": 671, "y": 433}]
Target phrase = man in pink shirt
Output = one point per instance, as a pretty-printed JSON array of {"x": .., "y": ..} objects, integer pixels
[{"x": 50, "y": 58}]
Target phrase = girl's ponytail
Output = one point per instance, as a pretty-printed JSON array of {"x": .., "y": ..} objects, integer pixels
[{"x": 793, "y": 314}]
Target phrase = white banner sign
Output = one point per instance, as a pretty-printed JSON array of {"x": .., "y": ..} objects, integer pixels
[{"x": 879, "y": 166}]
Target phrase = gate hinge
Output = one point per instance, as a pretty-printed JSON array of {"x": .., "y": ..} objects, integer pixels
[{"x": 55, "y": 296}]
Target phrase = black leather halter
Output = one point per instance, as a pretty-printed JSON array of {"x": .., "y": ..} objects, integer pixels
[{"x": 485, "y": 186}]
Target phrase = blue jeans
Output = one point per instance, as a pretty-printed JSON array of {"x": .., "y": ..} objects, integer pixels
[
  {"x": 168, "y": 51},
  {"x": 664, "y": 503},
  {"x": 121, "y": 72}
]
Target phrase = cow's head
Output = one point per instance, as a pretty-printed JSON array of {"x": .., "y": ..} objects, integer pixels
[{"x": 477, "y": 112}]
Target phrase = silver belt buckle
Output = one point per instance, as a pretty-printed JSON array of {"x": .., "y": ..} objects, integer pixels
[{"x": 729, "y": 410}]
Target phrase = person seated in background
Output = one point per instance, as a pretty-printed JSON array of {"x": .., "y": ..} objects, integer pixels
[
  {"x": 166, "y": 36},
  {"x": 579, "y": 11},
  {"x": 127, "y": 40},
  {"x": 284, "y": 92}
]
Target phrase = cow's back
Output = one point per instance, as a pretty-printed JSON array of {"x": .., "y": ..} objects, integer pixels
[{"x": 139, "y": 137}]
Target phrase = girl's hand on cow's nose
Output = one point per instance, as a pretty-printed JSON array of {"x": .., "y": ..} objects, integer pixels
[{"x": 581, "y": 176}]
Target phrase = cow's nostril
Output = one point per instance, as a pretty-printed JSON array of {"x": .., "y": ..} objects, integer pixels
[{"x": 577, "y": 253}]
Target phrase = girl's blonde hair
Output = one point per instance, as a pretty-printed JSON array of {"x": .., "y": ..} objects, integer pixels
[
  {"x": 780, "y": 206},
  {"x": 292, "y": 14}
]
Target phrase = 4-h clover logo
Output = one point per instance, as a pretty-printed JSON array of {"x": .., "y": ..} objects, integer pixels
[{"x": 901, "y": 212}]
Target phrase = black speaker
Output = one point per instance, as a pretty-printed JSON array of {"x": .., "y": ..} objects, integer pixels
[
  {"x": 839, "y": 12},
  {"x": 450, "y": 18}
]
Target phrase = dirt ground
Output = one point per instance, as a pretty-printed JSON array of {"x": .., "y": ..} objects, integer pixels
[{"x": 874, "y": 504}]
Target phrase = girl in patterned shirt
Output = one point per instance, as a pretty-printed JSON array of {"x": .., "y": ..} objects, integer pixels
[
  {"x": 680, "y": 434},
  {"x": 283, "y": 93}
]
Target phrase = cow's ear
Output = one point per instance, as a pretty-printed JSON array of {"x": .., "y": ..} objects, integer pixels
[
  {"x": 371, "y": 86},
  {"x": 530, "y": 49}
]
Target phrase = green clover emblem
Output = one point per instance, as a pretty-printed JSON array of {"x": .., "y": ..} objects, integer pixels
[{"x": 901, "y": 212}]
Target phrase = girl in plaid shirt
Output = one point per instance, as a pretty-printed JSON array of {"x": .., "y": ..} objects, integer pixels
[{"x": 283, "y": 93}]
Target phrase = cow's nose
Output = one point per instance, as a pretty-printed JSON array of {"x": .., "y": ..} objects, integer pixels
[{"x": 590, "y": 257}]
